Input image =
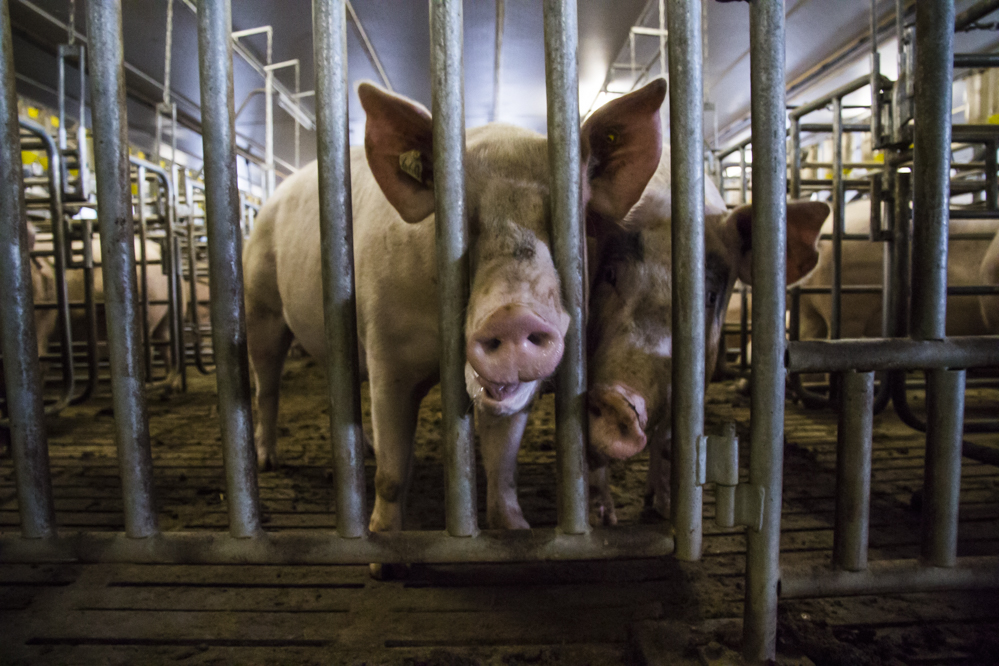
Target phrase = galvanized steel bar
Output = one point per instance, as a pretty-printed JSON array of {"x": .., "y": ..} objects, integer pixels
[
  {"x": 991, "y": 176},
  {"x": 942, "y": 482},
  {"x": 225, "y": 267},
  {"x": 795, "y": 134},
  {"x": 687, "y": 166},
  {"x": 323, "y": 547},
  {"x": 931, "y": 166},
  {"x": 147, "y": 350},
  {"x": 29, "y": 447},
  {"x": 451, "y": 220},
  {"x": 838, "y": 210},
  {"x": 766, "y": 36},
  {"x": 890, "y": 577},
  {"x": 561, "y": 35},
  {"x": 892, "y": 354},
  {"x": 336, "y": 226},
  {"x": 853, "y": 471},
  {"x": 743, "y": 177},
  {"x": 976, "y": 60},
  {"x": 117, "y": 232}
]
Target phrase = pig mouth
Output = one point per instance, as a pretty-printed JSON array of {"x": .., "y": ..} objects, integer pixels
[{"x": 501, "y": 399}]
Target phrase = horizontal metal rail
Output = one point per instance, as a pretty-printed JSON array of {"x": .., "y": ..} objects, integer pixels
[
  {"x": 322, "y": 547},
  {"x": 892, "y": 354},
  {"x": 888, "y": 577}
]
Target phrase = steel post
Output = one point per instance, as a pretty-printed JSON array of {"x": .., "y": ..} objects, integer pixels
[
  {"x": 140, "y": 206},
  {"x": 931, "y": 166},
  {"x": 336, "y": 228},
  {"x": 451, "y": 222},
  {"x": 942, "y": 482},
  {"x": 29, "y": 447},
  {"x": 853, "y": 471},
  {"x": 687, "y": 166},
  {"x": 561, "y": 35},
  {"x": 232, "y": 367},
  {"x": 766, "y": 35},
  {"x": 795, "y": 133},
  {"x": 117, "y": 232},
  {"x": 838, "y": 209}
]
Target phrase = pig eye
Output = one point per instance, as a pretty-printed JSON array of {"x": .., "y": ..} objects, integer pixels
[
  {"x": 712, "y": 298},
  {"x": 610, "y": 276}
]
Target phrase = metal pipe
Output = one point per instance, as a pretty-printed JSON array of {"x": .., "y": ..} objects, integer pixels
[
  {"x": 114, "y": 196},
  {"x": 686, "y": 99},
  {"x": 498, "y": 57},
  {"x": 269, "y": 131},
  {"x": 853, "y": 471},
  {"x": 337, "y": 238},
  {"x": 90, "y": 313},
  {"x": 29, "y": 447},
  {"x": 452, "y": 260},
  {"x": 976, "y": 60},
  {"x": 766, "y": 36},
  {"x": 744, "y": 328},
  {"x": 192, "y": 279},
  {"x": 892, "y": 354},
  {"x": 743, "y": 180},
  {"x": 875, "y": 78},
  {"x": 890, "y": 577},
  {"x": 226, "y": 268},
  {"x": 942, "y": 482},
  {"x": 931, "y": 166},
  {"x": 569, "y": 252},
  {"x": 973, "y": 13},
  {"x": 991, "y": 176},
  {"x": 795, "y": 132},
  {"x": 838, "y": 210},
  {"x": 147, "y": 350},
  {"x": 323, "y": 547}
]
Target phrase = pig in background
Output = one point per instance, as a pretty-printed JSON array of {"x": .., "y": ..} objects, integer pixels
[
  {"x": 515, "y": 319},
  {"x": 630, "y": 323}
]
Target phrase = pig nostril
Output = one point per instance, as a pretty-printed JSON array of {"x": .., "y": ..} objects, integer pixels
[
  {"x": 538, "y": 339},
  {"x": 492, "y": 344}
]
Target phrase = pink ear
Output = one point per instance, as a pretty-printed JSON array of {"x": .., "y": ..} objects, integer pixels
[
  {"x": 622, "y": 143},
  {"x": 804, "y": 223},
  {"x": 398, "y": 141}
]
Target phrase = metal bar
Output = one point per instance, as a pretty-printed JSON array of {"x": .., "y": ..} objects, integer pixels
[
  {"x": 973, "y": 13},
  {"x": 567, "y": 240},
  {"x": 942, "y": 483},
  {"x": 890, "y": 577},
  {"x": 976, "y": 60},
  {"x": 875, "y": 81},
  {"x": 323, "y": 547},
  {"x": 147, "y": 350},
  {"x": 192, "y": 278},
  {"x": 931, "y": 166},
  {"x": 825, "y": 100},
  {"x": 892, "y": 354},
  {"x": 976, "y": 214},
  {"x": 766, "y": 36},
  {"x": 853, "y": 471},
  {"x": 744, "y": 328},
  {"x": 838, "y": 210},
  {"x": 743, "y": 180},
  {"x": 452, "y": 261},
  {"x": 337, "y": 237},
  {"x": 991, "y": 176},
  {"x": 225, "y": 267},
  {"x": 827, "y": 127},
  {"x": 117, "y": 232},
  {"x": 498, "y": 57},
  {"x": 795, "y": 133},
  {"x": 29, "y": 447},
  {"x": 368, "y": 46},
  {"x": 90, "y": 313},
  {"x": 974, "y": 133},
  {"x": 687, "y": 166}
]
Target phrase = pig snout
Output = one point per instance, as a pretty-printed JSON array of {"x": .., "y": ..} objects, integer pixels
[
  {"x": 618, "y": 418},
  {"x": 513, "y": 345}
]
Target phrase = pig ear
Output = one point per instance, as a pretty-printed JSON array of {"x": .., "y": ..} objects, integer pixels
[
  {"x": 804, "y": 223},
  {"x": 622, "y": 143},
  {"x": 398, "y": 141}
]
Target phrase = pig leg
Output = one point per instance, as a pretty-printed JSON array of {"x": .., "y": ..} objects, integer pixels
[
  {"x": 601, "y": 502},
  {"x": 268, "y": 339},
  {"x": 499, "y": 438},
  {"x": 657, "y": 489}
]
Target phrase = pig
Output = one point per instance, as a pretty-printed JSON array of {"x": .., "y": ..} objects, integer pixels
[
  {"x": 630, "y": 327},
  {"x": 862, "y": 264},
  {"x": 989, "y": 274},
  {"x": 515, "y": 319}
]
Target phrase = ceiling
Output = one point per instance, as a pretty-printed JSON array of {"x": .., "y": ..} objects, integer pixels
[{"x": 399, "y": 33}]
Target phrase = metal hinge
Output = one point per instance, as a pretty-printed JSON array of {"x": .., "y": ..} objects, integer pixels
[{"x": 718, "y": 462}]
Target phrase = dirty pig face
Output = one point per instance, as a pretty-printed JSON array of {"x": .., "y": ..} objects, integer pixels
[{"x": 516, "y": 323}]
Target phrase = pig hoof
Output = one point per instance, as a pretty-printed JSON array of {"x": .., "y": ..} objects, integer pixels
[
  {"x": 508, "y": 521},
  {"x": 389, "y": 571},
  {"x": 267, "y": 462}
]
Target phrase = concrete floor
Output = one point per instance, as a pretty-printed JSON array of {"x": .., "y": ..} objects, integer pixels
[{"x": 633, "y": 611}]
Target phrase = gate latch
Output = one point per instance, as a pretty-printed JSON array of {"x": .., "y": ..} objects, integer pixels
[{"x": 735, "y": 503}]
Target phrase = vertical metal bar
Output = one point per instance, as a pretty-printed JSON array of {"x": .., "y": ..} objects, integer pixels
[
  {"x": 875, "y": 79},
  {"x": 562, "y": 85},
  {"x": 446, "y": 41},
  {"x": 942, "y": 481},
  {"x": 232, "y": 366},
  {"x": 744, "y": 328},
  {"x": 766, "y": 35},
  {"x": 29, "y": 447},
  {"x": 117, "y": 232},
  {"x": 931, "y": 166},
  {"x": 147, "y": 350},
  {"x": 269, "y": 131},
  {"x": 991, "y": 179},
  {"x": 853, "y": 471},
  {"x": 61, "y": 132},
  {"x": 686, "y": 100},
  {"x": 836, "y": 311},
  {"x": 192, "y": 277},
  {"x": 498, "y": 57},
  {"x": 795, "y": 158},
  {"x": 329, "y": 31},
  {"x": 743, "y": 177}
]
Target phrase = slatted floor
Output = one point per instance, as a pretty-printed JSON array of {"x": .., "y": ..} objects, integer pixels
[{"x": 571, "y": 613}]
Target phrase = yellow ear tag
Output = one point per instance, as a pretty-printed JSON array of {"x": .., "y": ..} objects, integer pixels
[
  {"x": 611, "y": 137},
  {"x": 411, "y": 162}
]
